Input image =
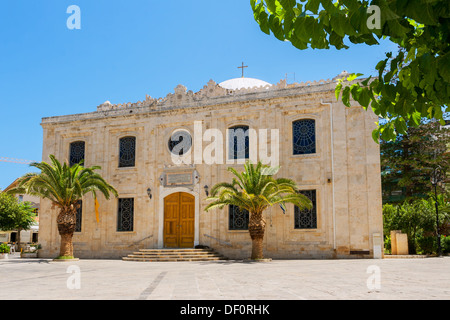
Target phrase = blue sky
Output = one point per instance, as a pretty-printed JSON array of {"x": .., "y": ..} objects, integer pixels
[{"x": 127, "y": 49}]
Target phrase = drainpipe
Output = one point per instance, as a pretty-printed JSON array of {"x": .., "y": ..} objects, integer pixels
[{"x": 332, "y": 169}]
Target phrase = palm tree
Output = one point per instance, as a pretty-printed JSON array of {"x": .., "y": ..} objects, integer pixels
[
  {"x": 254, "y": 190},
  {"x": 64, "y": 186}
]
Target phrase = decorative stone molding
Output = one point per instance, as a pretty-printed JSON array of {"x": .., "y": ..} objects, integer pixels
[{"x": 182, "y": 96}]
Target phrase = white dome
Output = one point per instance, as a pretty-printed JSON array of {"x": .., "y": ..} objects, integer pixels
[{"x": 240, "y": 83}]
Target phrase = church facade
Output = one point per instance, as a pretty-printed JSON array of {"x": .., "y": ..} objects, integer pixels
[{"x": 164, "y": 155}]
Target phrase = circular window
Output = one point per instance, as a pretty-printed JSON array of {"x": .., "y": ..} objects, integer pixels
[{"x": 180, "y": 142}]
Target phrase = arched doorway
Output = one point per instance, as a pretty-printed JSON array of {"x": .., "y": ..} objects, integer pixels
[{"x": 179, "y": 220}]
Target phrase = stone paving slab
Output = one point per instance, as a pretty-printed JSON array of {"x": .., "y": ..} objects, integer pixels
[{"x": 365, "y": 279}]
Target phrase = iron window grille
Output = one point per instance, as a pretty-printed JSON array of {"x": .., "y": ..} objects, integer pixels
[
  {"x": 127, "y": 152},
  {"x": 239, "y": 142},
  {"x": 304, "y": 136},
  {"x": 180, "y": 142},
  {"x": 238, "y": 218},
  {"x": 125, "y": 217},
  {"x": 304, "y": 218},
  {"x": 76, "y": 154}
]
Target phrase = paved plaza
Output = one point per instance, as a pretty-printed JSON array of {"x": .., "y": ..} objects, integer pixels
[{"x": 427, "y": 278}]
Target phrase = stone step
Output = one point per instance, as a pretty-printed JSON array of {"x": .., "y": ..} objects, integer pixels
[
  {"x": 174, "y": 254},
  {"x": 176, "y": 250},
  {"x": 171, "y": 259}
]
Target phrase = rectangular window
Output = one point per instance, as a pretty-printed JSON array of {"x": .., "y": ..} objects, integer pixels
[
  {"x": 125, "y": 215},
  {"x": 78, "y": 217},
  {"x": 306, "y": 219},
  {"x": 238, "y": 218}
]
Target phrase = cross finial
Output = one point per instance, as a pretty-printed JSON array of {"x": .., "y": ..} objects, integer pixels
[{"x": 242, "y": 67}]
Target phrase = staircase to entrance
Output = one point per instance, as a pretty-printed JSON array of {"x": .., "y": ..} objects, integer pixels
[{"x": 167, "y": 255}]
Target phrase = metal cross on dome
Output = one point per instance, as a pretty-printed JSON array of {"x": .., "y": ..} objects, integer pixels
[{"x": 242, "y": 67}]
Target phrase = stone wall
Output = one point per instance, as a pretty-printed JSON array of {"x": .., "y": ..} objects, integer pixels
[{"x": 348, "y": 185}]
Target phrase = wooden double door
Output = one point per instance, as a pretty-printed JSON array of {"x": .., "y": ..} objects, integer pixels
[{"x": 179, "y": 220}]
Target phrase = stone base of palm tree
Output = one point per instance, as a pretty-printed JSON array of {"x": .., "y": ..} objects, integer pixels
[
  {"x": 258, "y": 260},
  {"x": 62, "y": 259}
]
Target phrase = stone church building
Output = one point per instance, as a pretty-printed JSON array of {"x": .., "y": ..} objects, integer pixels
[{"x": 324, "y": 146}]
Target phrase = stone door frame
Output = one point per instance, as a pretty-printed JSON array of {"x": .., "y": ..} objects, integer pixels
[{"x": 163, "y": 193}]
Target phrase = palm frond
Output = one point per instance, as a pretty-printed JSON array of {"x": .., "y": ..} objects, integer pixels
[
  {"x": 255, "y": 189},
  {"x": 62, "y": 184}
]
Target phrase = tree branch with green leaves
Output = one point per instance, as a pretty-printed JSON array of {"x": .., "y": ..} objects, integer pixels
[{"x": 421, "y": 28}]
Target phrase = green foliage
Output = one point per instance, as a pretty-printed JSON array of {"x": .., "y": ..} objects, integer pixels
[
  {"x": 445, "y": 243},
  {"x": 62, "y": 184},
  {"x": 412, "y": 84},
  {"x": 407, "y": 162},
  {"x": 418, "y": 220},
  {"x": 4, "y": 248},
  {"x": 65, "y": 258},
  {"x": 255, "y": 189},
  {"x": 387, "y": 244},
  {"x": 426, "y": 244},
  {"x": 15, "y": 215}
]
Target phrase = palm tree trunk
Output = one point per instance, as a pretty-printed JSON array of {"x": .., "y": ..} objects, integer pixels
[
  {"x": 66, "y": 222},
  {"x": 19, "y": 246},
  {"x": 66, "y": 248},
  {"x": 257, "y": 228}
]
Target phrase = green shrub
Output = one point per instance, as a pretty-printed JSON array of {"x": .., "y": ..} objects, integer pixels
[
  {"x": 387, "y": 244},
  {"x": 426, "y": 245},
  {"x": 418, "y": 220},
  {"x": 445, "y": 243},
  {"x": 4, "y": 248}
]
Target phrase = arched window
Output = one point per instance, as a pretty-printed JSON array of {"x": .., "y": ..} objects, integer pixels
[
  {"x": 238, "y": 139},
  {"x": 304, "y": 136},
  {"x": 76, "y": 153},
  {"x": 127, "y": 152}
]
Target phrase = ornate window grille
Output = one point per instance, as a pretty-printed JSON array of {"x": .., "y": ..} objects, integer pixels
[
  {"x": 239, "y": 144},
  {"x": 180, "y": 142},
  {"x": 238, "y": 218},
  {"x": 125, "y": 215},
  {"x": 76, "y": 152},
  {"x": 127, "y": 152},
  {"x": 304, "y": 136},
  {"x": 306, "y": 219},
  {"x": 79, "y": 216}
]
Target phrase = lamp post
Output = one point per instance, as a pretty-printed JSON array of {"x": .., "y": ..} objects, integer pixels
[{"x": 437, "y": 178}]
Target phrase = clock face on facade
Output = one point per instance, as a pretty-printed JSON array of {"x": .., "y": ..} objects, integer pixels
[{"x": 180, "y": 142}]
